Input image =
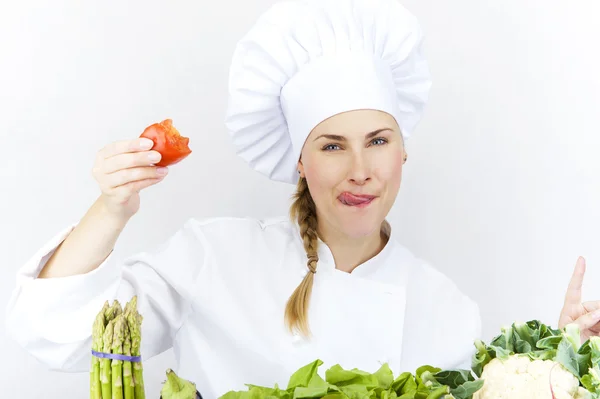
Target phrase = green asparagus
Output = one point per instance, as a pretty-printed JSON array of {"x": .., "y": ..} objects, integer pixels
[
  {"x": 105, "y": 364},
  {"x": 97, "y": 345},
  {"x": 113, "y": 311},
  {"x": 117, "y": 330},
  {"x": 128, "y": 386},
  {"x": 117, "y": 348},
  {"x": 127, "y": 308},
  {"x": 134, "y": 320}
]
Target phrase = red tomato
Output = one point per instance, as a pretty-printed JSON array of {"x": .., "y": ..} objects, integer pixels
[{"x": 168, "y": 142}]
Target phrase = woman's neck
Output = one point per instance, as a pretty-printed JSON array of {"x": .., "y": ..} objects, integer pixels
[{"x": 349, "y": 252}]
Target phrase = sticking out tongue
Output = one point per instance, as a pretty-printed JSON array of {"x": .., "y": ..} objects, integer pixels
[{"x": 352, "y": 200}]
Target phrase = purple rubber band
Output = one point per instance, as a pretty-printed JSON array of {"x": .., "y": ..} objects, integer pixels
[{"x": 116, "y": 356}]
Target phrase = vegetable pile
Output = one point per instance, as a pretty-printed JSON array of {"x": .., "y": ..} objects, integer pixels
[
  {"x": 116, "y": 368},
  {"x": 526, "y": 361}
]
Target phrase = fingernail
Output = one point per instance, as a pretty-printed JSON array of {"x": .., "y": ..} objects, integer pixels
[
  {"x": 596, "y": 314},
  {"x": 146, "y": 144},
  {"x": 162, "y": 171},
  {"x": 154, "y": 156}
]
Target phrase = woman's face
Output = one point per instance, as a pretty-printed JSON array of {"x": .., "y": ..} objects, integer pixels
[{"x": 352, "y": 163}]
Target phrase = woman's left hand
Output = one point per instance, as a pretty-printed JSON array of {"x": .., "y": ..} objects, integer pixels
[{"x": 585, "y": 314}]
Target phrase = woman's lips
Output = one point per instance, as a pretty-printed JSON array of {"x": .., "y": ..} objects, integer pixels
[{"x": 356, "y": 200}]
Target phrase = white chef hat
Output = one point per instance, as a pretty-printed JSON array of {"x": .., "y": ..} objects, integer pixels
[{"x": 307, "y": 60}]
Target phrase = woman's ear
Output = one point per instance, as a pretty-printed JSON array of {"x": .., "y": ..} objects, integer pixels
[{"x": 300, "y": 169}]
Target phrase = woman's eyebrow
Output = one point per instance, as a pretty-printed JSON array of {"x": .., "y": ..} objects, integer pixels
[{"x": 342, "y": 138}]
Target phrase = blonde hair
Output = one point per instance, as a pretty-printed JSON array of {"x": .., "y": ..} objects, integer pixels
[{"x": 303, "y": 210}]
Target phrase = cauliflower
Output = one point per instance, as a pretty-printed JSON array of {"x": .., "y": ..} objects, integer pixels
[
  {"x": 526, "y": 361},
  {"x": 519, "y": 377},
  {"x": 531, "y": 360}
]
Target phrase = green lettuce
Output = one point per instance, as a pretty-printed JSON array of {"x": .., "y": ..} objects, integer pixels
[{"x": 426, "y": 383}]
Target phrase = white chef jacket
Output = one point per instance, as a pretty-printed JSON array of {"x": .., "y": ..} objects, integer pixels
[{"x": 216, "y": 290}]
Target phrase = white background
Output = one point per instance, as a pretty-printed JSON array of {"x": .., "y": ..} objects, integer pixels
[{"x": 501, "y": 190}]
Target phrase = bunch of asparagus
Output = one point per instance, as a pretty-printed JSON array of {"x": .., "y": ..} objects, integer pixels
[{"x": 117, "y": 330}]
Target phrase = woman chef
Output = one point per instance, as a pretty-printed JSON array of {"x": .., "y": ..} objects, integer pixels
[{"x": 323, "y": 94}]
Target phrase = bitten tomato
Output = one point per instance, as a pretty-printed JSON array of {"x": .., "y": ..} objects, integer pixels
[{"x": 172, "y": 146}]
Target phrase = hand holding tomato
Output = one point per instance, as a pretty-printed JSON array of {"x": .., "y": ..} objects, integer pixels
[{"x": 124, "y": 168}]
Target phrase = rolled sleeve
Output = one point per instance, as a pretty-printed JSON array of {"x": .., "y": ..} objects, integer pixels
[
  {"x": 58, "y": 310},
  {"x": 52, "y": 318}
]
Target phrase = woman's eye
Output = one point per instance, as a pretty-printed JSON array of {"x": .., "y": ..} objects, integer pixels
[
  {"x": 379, "y": 141},
  {"x": 331, "y": 147}
]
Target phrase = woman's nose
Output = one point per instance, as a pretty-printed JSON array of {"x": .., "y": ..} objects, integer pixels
[{"x": 359, "y": 171}]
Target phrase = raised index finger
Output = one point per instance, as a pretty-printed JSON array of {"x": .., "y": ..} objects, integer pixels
[
  {"x": 125, "y": 146},
  {"x": 573, "y": 296}
]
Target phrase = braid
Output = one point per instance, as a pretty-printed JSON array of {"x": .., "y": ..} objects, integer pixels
[
  {"x": 386, "y": 229},
  {"x": 303, "y": 210}
]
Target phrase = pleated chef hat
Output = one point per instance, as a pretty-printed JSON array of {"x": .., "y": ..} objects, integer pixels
[{"x": 307, "y": 60}]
